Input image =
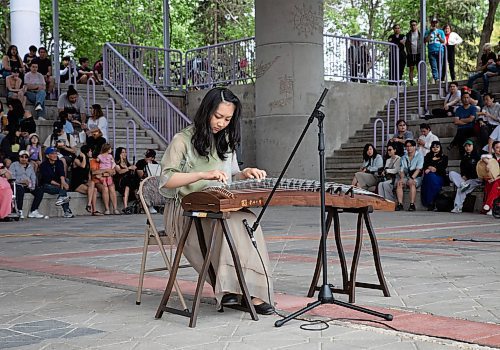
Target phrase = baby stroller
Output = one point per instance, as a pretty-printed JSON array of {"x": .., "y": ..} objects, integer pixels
[{"x": 14, "y": 213}]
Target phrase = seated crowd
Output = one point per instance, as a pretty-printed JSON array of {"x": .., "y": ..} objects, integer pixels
[
  {"x": 76, "y": 156},
  {"x": 421, "y": 163}
]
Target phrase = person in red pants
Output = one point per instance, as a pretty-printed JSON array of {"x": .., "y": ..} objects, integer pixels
[{"x": 489, "y": 170}]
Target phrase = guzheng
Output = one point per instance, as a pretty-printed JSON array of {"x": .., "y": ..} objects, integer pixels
[{"x": 290, "y": 192}]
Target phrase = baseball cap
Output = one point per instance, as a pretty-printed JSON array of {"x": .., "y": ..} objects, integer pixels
[
  {"x": 468, "y": 142},
  {"x": 50, "y": 150},
  {"x": 434, "y": 19},
  {"x": 150, "y": 153},
  {"x": 23, "y": 153}
]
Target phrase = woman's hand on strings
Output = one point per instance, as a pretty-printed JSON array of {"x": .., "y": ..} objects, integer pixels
[
  {"x": 254, "y": 173},
  {"x": 215, "y": 175}
]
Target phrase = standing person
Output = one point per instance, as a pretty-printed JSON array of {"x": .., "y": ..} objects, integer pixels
[
  {"x": 359, "y": 60},
  {"x": 201, "y": 155},
  {"x": 410, "y": 174},
  {"x": 435, "y": 38},
  {"x": 398, "y": 39},
  {"x": 452, "y": 39},
  {"x": 465, "y": 181},
  {"x": 367, "y": 176},
  {"x": 412, "y": 45},
  {"x": 435, "y": 164},
  {"x": 391, "y": 170},
  {"x": 465, "y": 116}
]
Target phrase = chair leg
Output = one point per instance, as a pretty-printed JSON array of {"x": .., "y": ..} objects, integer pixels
[
  {"x": 169, "y": 267},
  {"x": 143, "y": 266}
]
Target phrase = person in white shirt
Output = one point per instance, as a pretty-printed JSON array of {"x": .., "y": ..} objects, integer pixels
[
  {"x": 35, "y": 90},
  {"x": 489, "y": 118},
  {"x": 425, "y": 139},
  {"x": 495, "y": 136},
  {"x": 451, "y": 40}
]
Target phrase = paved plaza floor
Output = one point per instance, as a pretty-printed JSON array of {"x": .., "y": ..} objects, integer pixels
[{"x": 70, "y": 284}]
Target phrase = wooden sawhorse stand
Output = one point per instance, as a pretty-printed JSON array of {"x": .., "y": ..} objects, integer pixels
[
  {"x": 349, "y": 282},
  {"x": 207, "y": 268}
]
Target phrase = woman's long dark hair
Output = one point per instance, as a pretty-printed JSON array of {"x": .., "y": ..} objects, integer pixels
[
  {"x": 440, "y": 153},
  {"x": 118, "y": 151},
  {"x": 11, "y": 55},
  {"x": 225, "y": 140},
  {"x": 366, "y": 157}
]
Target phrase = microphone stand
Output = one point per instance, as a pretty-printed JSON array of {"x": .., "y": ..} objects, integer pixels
[{"x": 325, "y": 295}]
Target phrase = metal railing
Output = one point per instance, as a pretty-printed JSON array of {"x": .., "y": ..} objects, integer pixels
[
  {"x": 156, "y": 111},
  {"x": 134, "y": 137},
  {"x": 113, "y": 119},
  {"x": 360, "y": 60},
  {"x": 151, "y": 62},
  {"x": 422, "y": 81},
  {"x": 227, "y": 63},
  {"x": 396, "y": 115},
  {"x": 382, "y": 133},
  {"x": 90, "y": 81}
]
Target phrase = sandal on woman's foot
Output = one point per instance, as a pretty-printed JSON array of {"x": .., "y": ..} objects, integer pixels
[
  {"x": 97, "y": 213},
  {"x": 229, "y": 299},
  {"x": 117, "y": 212},
  {"x": 88, "y": 208}
]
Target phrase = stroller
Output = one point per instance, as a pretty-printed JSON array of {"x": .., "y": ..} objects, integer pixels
[{"x": 14, "y": 212}]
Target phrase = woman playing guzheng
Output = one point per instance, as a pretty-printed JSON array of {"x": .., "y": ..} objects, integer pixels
[{"x": 202, "y": 155}]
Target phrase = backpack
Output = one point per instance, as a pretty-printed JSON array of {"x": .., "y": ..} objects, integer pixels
[
  {"x": 445, "y": 201},
  {"x": 496, "y": 208}
]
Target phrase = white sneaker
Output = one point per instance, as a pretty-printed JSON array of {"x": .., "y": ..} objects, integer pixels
[
  {"x": 152, "y": 210},
  {"x": 456, "y": 210},
  {"x": 489, "y": 212},
  {"x": 62, "y": 200},
  {"x": 21, "y": 214},
  {"x": 35, "y": 214},
  {"x": 38, "y": 107}
]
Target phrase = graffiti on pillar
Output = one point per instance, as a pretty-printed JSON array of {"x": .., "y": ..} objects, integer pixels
[
  {"x": 306, "y": 20},
  {"x": 286, "y": 92},
  {"x": 262, "y": 68}
]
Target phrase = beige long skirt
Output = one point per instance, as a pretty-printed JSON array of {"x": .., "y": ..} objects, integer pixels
[{"x": 222, "y": 261}]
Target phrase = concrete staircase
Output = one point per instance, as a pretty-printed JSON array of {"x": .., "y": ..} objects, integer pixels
[{"x": 346, "y": 161}]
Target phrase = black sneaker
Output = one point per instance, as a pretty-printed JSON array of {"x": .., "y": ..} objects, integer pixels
[
  {"x": 412, "y": 207},
  {"x": 399, "y": 207}
]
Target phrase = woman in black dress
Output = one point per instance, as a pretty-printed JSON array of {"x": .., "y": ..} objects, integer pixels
[{"x": 126, "y": 179}]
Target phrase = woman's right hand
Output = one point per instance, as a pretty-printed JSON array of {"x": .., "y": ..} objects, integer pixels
[{"x": 214, "y": 175}]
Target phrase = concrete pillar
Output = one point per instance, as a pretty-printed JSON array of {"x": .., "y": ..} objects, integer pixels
[
  {"x": 290, "y": 79},
  {"x": 25, "y": 24}
]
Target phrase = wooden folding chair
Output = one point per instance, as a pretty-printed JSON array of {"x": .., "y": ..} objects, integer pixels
[{"x": 150, "y": 196}]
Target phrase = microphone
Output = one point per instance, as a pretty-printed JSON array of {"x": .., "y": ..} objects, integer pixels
[{"x": 250, "y": 232}]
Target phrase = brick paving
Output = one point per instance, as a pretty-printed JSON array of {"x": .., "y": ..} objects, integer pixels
[{"x": 70, "y": 284}]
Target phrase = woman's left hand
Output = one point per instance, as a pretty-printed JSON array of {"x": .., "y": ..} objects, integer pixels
[{"x": 254, "y": 173}]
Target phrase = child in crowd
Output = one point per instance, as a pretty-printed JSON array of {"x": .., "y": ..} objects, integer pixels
[
  {"x": 34, "y": 149},
  {"x": 106, "y": 162}
]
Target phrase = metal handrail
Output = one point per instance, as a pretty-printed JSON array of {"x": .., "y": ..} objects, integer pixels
[
  {"x": 405, "y": 95},
  {"x": 152, "y": 68},
  {"x": 422, "y": 72},
  {"x": 396, "y": 115},
  {"x": 113, "y": 124},
  {"x": 90, "y": 80},
  {"x": 375, "y": 123},
  {"x": 134, "y": 125},
  {"x": 157, "y": 112}
]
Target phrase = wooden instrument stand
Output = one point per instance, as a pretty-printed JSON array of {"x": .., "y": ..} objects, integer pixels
[
  {"x": 349, "y": 282},
  {"x": 207, "y": 267}
]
